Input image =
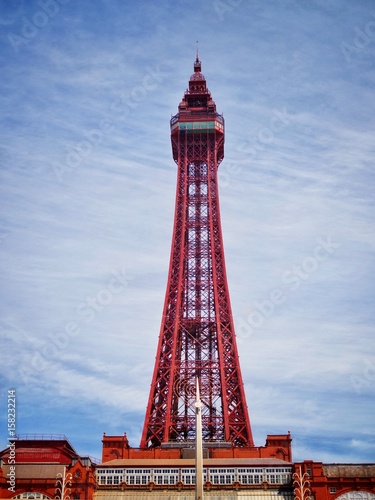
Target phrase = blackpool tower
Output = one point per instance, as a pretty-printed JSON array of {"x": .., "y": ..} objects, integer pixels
[{"x": 197, "y": 338}]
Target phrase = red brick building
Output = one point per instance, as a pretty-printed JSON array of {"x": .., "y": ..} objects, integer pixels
[
  {"x": 335, "y": 481},
  {"x": 40, "y": 466},
  {"x": 267, "y": 473},
  {"x": 258, "y": 473}
]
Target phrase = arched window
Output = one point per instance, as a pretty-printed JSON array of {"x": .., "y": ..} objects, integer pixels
[
  {"x": 356, "y": 495},
  {"x": 32, "y": 495},
  {"x": 114, "y": 452}
]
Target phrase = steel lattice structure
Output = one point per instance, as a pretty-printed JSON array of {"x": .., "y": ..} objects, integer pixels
[{"x": 197, "y": 337}]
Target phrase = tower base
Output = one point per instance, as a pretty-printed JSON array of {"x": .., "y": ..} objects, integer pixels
[
  {"x": 117, "y": 447},
  {"x": 170, "y": 470}
]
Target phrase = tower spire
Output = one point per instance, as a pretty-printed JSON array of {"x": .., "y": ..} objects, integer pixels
[{"x": 197, "y": 63}]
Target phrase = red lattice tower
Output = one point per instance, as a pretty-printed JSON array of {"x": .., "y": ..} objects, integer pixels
[{"x": 197, "y": 337}]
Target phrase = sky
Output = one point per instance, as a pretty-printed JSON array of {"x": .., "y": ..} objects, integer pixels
[{"x": 87, "y": 197}]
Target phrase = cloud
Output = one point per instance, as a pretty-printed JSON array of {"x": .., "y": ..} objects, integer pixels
[{"x": 88, "y": 192}]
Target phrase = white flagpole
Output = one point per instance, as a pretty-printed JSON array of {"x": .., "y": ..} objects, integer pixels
[{"x": 198, "y": 445}]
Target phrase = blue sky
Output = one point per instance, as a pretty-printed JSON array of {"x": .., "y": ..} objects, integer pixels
[{"x": 87, "y": 89}]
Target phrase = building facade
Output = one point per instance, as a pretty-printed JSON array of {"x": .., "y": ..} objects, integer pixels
[
  {"x": 44, "y": 467},
  {"x": 318, "y": 481},
  {"x": 47, "y": 467}
]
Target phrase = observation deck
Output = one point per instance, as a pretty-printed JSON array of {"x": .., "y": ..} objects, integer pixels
[{"x": 197, "y": 121}]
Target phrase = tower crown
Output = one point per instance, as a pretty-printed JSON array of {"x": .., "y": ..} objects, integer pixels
[
  {"x": 197, "y": 97},
  {"x": 197, "y": 114}
]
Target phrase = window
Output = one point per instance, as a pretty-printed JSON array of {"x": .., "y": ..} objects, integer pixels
[
  {"x": 278, "y": 475},
  {"x": 222, "y": 476},
  {"x": 332, "y": 490},
  {"x": 137, "y": 476},
  {"x": 188, "y": 476},
  {"x": 166, "y": 476},
  {"x": 110, "y": 476}
]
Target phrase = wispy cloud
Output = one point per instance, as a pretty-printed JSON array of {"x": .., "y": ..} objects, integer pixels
[{"x": 88, "y": 191}]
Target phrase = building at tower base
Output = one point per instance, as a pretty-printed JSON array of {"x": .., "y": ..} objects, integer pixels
[
  {"x": 42, "y": 460},
  {"x": 276, "y": 447},
  {"x": 170, "y": 473}
]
